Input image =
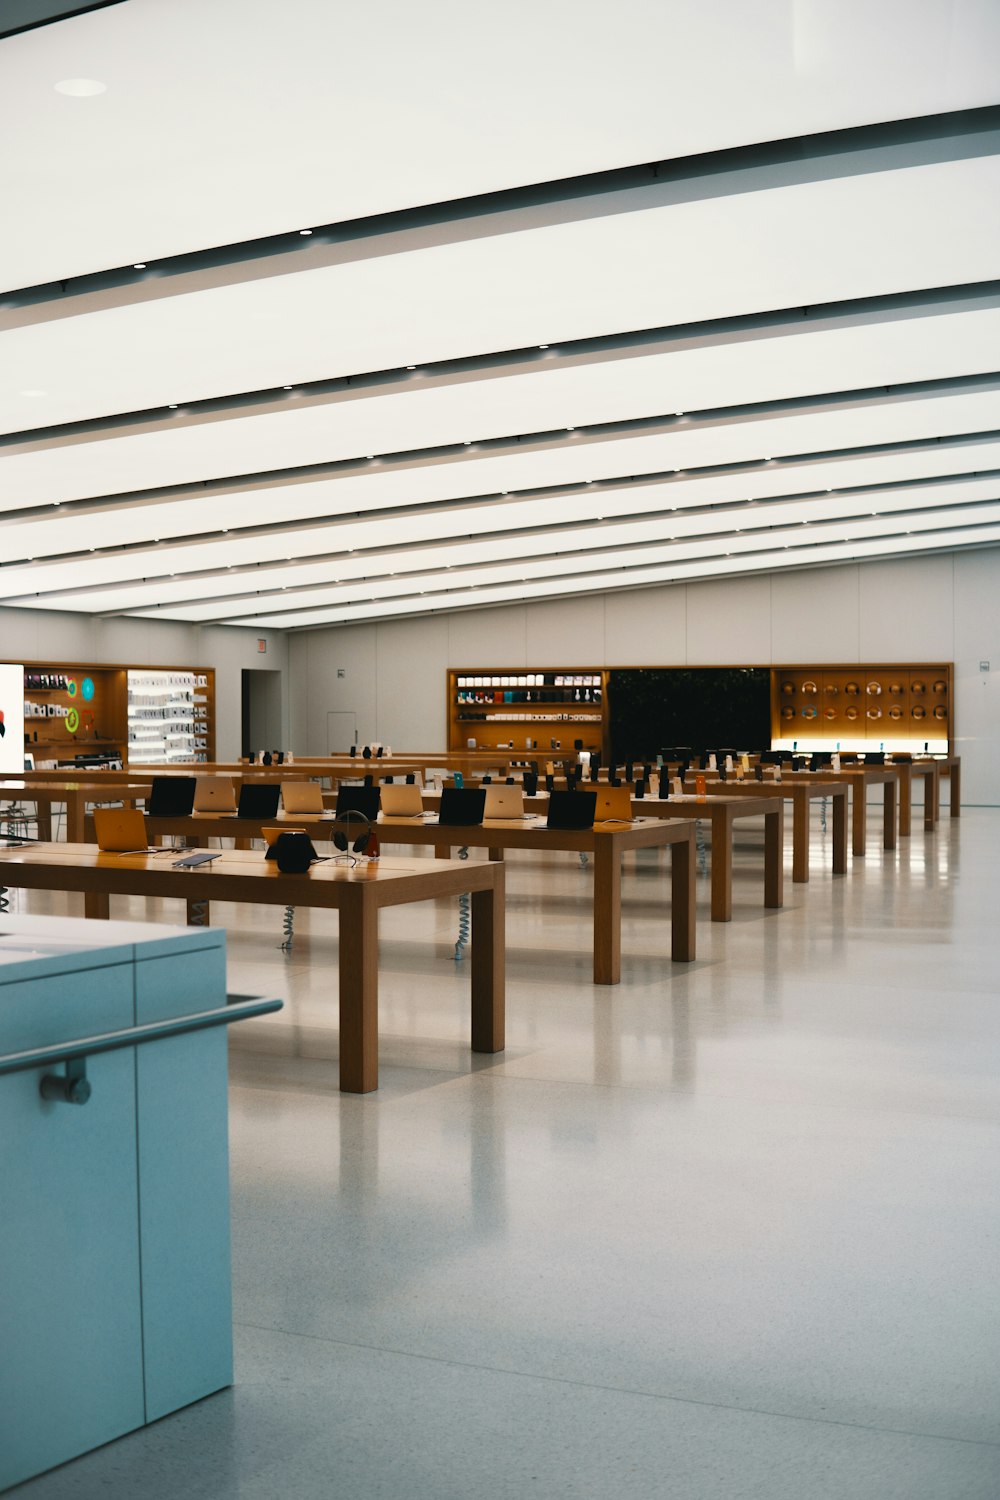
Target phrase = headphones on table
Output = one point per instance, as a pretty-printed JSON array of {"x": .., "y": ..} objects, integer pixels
[{"x": 340, "y": 840}]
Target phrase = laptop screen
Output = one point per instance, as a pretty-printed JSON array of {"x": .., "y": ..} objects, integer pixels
[
  {"x": 572, "y": 809},
  {"x": 259, "y": 799},
  {"x": 462, "y": 807},
  {"x": 171, "y": 797},
  {"x": 362, "y": 799}
]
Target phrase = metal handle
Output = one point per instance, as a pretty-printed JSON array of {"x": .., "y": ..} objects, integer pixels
[{"x": 74, "y": 1087}]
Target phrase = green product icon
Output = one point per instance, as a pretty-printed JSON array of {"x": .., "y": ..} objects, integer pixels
[{"x": 72, "y": 721}]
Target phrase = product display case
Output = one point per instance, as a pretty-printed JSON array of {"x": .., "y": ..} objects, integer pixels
[
  {"x": 118, "y": 713},
  {"x": 906, "y": 708},
  {"x": 168, "y": 717},
  {"x": 548, "y": 709}
]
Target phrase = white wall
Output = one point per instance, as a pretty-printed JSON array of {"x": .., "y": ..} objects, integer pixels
[
  {"x": 917, "y": 609},
  {"x": 43, "y": 635}
]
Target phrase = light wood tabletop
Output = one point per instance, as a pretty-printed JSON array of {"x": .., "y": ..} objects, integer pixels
[
  {"x": 801, "y": 794},
  {"x": 76, "y": 794},
  {"x": 607, "y": 843},
  {"x": 358, "y": 892}
]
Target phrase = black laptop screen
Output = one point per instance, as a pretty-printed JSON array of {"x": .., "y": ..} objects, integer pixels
[
  {"x": 462, "y": 807},
  {"x": 259, "y": 799},
  {"x": 572, "y": 809},
  {"x": 171, "y": 797},
  {"x": 362, "y": 799}
]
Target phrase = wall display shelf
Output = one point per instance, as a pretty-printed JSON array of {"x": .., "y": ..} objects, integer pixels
[
  {"x": 165, "y": 726},
  {"x": 544, "y": 710},
  {"x": 123, "y": 713},
  {"x": 898, "y": 708}
]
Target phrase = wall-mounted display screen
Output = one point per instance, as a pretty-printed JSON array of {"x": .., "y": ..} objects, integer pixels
[
  {"x": 11, "y": 720},
  {"x": 705, "y": 707}
]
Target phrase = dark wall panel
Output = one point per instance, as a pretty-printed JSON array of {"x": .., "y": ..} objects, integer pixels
[{"x": 705, "y": 707}]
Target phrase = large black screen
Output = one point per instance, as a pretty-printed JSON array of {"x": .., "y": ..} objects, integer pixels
[{"x": 704, "y": 707}]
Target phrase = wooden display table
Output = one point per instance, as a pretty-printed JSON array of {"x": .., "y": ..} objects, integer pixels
[
  {"x": 860, "y": 778},
  {"x": 908, "y": 772},
  {"x": 801, "y": 794},
  {"x": 950, "y": 766},
  {"x": 722, "y": 812},
  {"x": 606, "y": 843},
  {"x": 358, "y": 892},
  {"x": 75, "y": 794}
]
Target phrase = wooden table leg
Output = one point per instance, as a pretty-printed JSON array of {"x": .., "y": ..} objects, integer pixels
[
  {"x": 954, "y": 792},
  {"x": 97, "y": 904},
  {"x": 840, "y": 835},
  {"x": 722, "y": 865},
  {"x": 905, "y": 774},
  {"x": 859, "y": 816},
  {"x": 488, "y": 968},
  {"x": 889, "y": 815},
  {"x": 442, "y": 851},
  {"x": 930, "y": 809},
  {"x": 683, "y": 900},
  {"x": 359, "y": 993},
  {"x": 74, "y": 818},
  {"x": 43, "y": 817},
  {"x": 801, "y": 811},
  {"x": 495, "y": 855},
  {"x": 607, "y": 909},
  {"x": 774, "y": 857}
]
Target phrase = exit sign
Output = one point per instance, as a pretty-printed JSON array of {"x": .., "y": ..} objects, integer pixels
[{"x": 261, "y": 645}]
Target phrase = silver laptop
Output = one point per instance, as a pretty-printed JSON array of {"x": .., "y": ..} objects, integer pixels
[
  {"x": 214, "y": 794},
  {"x": 401, "y": 801},
  {"x": 504, "y": 802},
  {"x": 302, "y": 797}
]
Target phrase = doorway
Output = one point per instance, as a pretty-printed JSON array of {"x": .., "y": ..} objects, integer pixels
[{"x": 261, "y": 710}]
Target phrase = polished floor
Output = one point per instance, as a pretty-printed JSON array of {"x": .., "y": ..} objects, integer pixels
[{"x": 728, "y": 1230}]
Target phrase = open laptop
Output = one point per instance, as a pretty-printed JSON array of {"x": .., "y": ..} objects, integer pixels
[
  {"x": 571, "y": 810},
  {"x": 402, "y": 801},
  {"x": 258, "y": 799},
  {"x": 120, "y": 830},
  {"x": 504, "y": 802},
  {"x": 302, "y": 797},
  {"x": 171, "y": 797},
  {"x": 362, "y": 799},
  {"x": 214, "y": 794},
  {"x": 462, "y": 806},
  {"x": 614, "y": 804}
]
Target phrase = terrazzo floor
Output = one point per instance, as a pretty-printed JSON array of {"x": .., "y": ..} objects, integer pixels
[{"x": 729, "y": 1229}]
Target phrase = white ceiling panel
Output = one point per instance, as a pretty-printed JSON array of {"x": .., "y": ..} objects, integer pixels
[
  {"x": 218, "y": 595},
  {"x": 638, "y": 578},
  {"x": 227, "y": 121},
  {"x": 666, "y": 547},
  {"x": 60, "y": 583},
  {"x": 580, "y": 460},
  {"x": 755, "y": 248},
  {"x": 780, "y": 356},
  {"x": 842, "y": 353}
]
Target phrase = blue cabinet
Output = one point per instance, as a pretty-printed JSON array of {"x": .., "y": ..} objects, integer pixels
[{"x": 115, "y": 1302}]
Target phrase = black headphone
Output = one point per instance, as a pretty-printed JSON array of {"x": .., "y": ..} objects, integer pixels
[{"x": 340, "y": 839}]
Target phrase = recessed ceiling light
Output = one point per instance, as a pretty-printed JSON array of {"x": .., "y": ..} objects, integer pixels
[
  {"x": 287, "y": 388},
  {"x": 543, "y": 346},
  {"x": 33, "y": 394},
  {"x": 80, "y": 88},
  {"x": 305, "y": 231},
  {"x": 411, "y": 367},
  {"x": 138, "y": 265},
  {"x": 172, "y": 406}
]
